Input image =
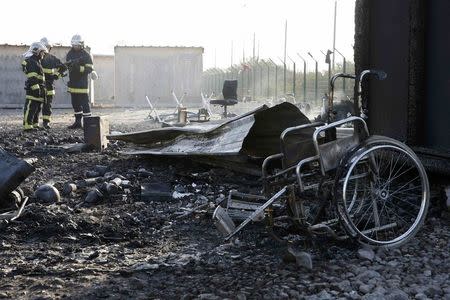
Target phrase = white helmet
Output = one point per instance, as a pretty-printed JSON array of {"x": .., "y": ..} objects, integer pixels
[
  {"x": 77, "y": 40},
  {"x": 46, "y": 42},
  {"x": 37, "y": 47}
]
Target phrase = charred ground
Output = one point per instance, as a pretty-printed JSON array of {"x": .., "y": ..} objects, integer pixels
[{"x": 129, "y": 247}]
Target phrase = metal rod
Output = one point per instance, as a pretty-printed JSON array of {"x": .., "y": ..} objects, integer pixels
[
  {"x": 334, "y": 31},
  {"x": 254, "y": 83},
  {"x": 254, "y": 36},
  {"x": 285, "y": 43},
  {"x": 268, "y": 78},
  {"x": 260, "y": 80},
  {"x": 304, "y": 76},
  {"x": 276, "y": 77},
  {"x": 293, "y": 78},
  {"x": 248, "y": 79},
  {"x": 344, "y": 68},
  {"x": 316, "y": 77},
  {"x": 284, "y": 75}
]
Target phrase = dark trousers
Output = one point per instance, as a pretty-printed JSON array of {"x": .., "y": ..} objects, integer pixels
[
  {"x": 30, "y": 111},
  {"x": 36, "y": 116},
  {"x": 46, "y": 108},
  {"x": 80, "y": 103}
]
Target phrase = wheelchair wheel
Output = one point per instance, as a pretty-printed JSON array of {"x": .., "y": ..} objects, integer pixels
[{"x": 382, "y": 193}]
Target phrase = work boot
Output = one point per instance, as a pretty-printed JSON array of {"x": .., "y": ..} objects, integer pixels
[
  {"x": 77, "y": 123},
  {"x": 46, "y": 124},
  {"x": 37, "y": 127}
]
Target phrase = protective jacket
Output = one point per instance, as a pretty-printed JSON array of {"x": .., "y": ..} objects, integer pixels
[
  {"x": 35, "y": 83},
  {"x": 53, "y": 70},
  {"x": 80, "y": 65}
]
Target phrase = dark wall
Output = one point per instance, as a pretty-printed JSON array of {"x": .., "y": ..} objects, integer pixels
[
  {"x": 437, "y": 116},
  {"x": 410, "y": 40},
  {"x": 385, "y": 46}
]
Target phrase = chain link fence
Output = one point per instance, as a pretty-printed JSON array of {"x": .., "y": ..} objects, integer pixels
[{"x": 264, "y": 80}]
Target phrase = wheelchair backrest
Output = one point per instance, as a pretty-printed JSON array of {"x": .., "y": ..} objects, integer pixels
[{"x": 331, "y": 153}]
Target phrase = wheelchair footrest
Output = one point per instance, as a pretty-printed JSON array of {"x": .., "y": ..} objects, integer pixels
[
  {"x": 223, "y": 221},
  {"x": 240, "y": 206},
  {"x": 253, "y": 216}
]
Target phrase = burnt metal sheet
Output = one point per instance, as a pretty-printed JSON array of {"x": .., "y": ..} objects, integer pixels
[
  {"x": 12, "y": 172},
  {"x": 254, "y": 134}
]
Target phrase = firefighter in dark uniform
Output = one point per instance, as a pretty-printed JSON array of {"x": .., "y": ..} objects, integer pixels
[
  {"x": 53, "y": 70},
  {"x": 35, "y": 84},
  {"x": 80, "y": 64}
]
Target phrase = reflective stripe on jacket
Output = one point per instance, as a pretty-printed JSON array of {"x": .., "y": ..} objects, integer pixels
[{"x": 80, "y": 66}]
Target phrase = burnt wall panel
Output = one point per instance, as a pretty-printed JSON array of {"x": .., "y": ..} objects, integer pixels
[
  {"x": 437, "y": 125},
  {"x": 389, "y": 43}
]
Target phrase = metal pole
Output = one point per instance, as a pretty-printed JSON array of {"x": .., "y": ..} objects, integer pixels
[
  {"x": 328, "y": 61},
  {"x": 223, "y": 78},
  {"x": 249, "y": 74},
  {"x": 334, "y": 31},
  {"x": 210, "y": 82},
  {"x": 276, "y": 82},
  {"x": 276, "y": 78},
  {"x": 285, "y": 43},
  {"x": 316, "y": 85},
  {"x": 268, "y": 75},
  {"x": 316, "y": 77},
  {"x": 218, "y": 75},
  {"x": 293, "y": 77},
  {"x": 284, "y": 75},
  {"x": 344, "y": 70},
  {"x": 344, "y": 67},
  {"x": 204, "y": 82},
  {"x": 304, "y": 77},
  {"x": 242, "y": 81},
  {"x": 254, "y": 36},
  {"x": 260, "y": 80},
  {"x": 217, "y": 79},
  {"x": 254, "y": 82}
]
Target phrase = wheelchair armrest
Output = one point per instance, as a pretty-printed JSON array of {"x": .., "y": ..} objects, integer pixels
[
  {"x": 336, "y": 124},
  {"x": 268, "y": 160},
  {"x": 298, "y": 170},
  {"x": 291, "y": 130}
]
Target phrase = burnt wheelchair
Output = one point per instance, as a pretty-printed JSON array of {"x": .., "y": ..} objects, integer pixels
[{"x": 340, "y": 182}]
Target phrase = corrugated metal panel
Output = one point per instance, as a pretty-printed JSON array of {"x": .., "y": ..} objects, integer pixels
[
  {"x": 155, "y": 72},
  {"x": 254, "y": 134}
]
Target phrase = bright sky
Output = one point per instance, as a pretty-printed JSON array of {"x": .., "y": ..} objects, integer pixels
[{"x": 212, "y": 24}]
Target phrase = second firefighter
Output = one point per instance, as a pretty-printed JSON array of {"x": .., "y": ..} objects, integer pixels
[{"x": 80, "y": 64}]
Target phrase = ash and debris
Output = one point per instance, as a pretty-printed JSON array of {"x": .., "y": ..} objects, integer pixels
[{"x": 130, "y": 244}]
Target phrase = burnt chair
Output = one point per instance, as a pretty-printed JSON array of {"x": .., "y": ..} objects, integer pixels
[{"x": 229, "y": 92}]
